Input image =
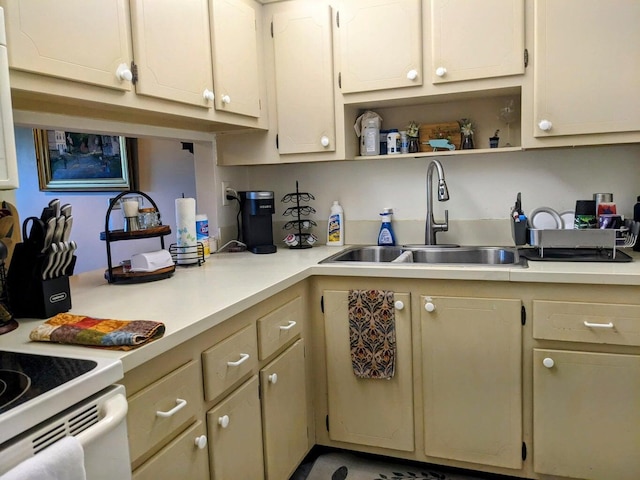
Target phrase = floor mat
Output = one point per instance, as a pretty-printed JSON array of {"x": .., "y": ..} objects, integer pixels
[{"x": 347, "y": 466}]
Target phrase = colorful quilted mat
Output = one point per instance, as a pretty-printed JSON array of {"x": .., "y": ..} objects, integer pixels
[
  {"x": 372, "y": 333},
  {"x": 97, "y": 332}
]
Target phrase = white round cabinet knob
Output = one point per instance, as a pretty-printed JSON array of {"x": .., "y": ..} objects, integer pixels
[
  {"x": 201, "y": 441},
  {"x": 399, "y": 305},
  {"x": 324, "y": 141},
  {"x": 412, "y": 74},
  {"x": 441, "y": 71},
  {"x": 548, "y": 362},
  {"x": 273, "y": 378},
  {"x": 124, "y": 73},
  {"x": 226, "y": 99},
  {"x": 223, "y": 421},
  {"x": 545, "y": 125},
  {"x": 208, "y": 95},
  {"x": 429, "y": 307}
]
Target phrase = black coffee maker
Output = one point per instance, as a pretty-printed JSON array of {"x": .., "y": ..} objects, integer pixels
[{"x": 257, "y": 230}]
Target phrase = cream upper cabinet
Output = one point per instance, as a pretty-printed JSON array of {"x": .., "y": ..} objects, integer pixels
[
  {"x": 472, "y": 379},
  {"x": 304, "y": 80},
  {"x": 587, "y": 58},
  {"x": 284, "y": 412},
  {"x": 50, "y": 38},
  {"x": 586, "y": 420},
  {"x": 365, "y": 411},
  {"x": 172, "y": 50},
  {"x": 380, "y": 44},
  {"x": 472, "y": 40},
  {"x": 235, "y": 57}
]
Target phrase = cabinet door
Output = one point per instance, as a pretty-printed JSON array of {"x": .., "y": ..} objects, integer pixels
[
  {"x": 235, "y": 435},
  {"x": 84, "y": 41},
  {"x": 284, "y": 412},
  {"x": 304, "y": 80},
  {"x": 182, "y": 458},
  {"x": 472, "y": 40},
  {"x": 586, "y": 420},
  {"x": 172, "y": 48},
  {"x": 8, "y": 157},
  {"x": 235, "y": 57},
  {"x": 586, "y": 71},
  {"x": 472, "y": 379},
  {"x": 380, "y": 44},
  {"x": 372, "y": 412}
]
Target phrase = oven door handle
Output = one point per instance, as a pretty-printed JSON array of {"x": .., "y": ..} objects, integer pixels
[{"x": 115, "y": 410}]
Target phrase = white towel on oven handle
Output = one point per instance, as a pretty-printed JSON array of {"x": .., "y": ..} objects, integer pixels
[{"x": 64, "y": 460}]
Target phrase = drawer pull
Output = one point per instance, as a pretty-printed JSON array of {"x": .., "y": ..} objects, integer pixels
[
  {"x": 399, "y": 305},
  {"x": 243, "y": 358},
  {"x": 598, "y": 325},
  {"x": 223, "y": 421},
  {"x": 548, "y": 362},
  {"x": 273, "y": 378},
  {"x": 201, "y": 442},
  {"x": 180, "y": 404},
  {"x": 289, "y": 326}
]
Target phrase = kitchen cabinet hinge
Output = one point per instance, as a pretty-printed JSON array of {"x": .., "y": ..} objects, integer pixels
[
  {"x": 338, "y": 19},
  {"x": 134, "y": 72},
  {"x": 322, "y": 303},
  {"x": 524, "y": 451},
  {"x": 523, "y": 315},
  {"x": 326, "y": 421},
  {"x": 526, "y": 58},
  {"x": 339, "y": 79},
  {"x": 271, "y": 29},
  {"x": 277, "y": 142}
]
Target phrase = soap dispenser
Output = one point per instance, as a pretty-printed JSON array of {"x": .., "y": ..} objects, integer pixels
[{"x": 386, "y": 237}]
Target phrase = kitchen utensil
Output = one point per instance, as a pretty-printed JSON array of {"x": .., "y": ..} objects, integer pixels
[
  {"x": 61, "y": 260},
  {"x": 53, "y": 251},
  {"x": 48, "y": 236},
  {"x": 36, "y": 237},
  {"x": 47, "y": 213},
  {"x": 57, "y": 233},
  {"x": 69, "y": 258},
  {"x": 65, "y": 210},
  {"x": 55, "y": 205},
  {"x": 66, "y": 232},
  {"x": 544, "y": 218}
]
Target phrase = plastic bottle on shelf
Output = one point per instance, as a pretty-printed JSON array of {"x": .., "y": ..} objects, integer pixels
[
  {"x": 202, "y": 233},
  {"x": 386, "y": 237},
  {"x": 335, "y": 225},
  {"x": 370, "y": 137}
]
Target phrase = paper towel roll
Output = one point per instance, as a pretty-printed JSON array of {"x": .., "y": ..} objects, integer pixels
[{"x": 186, "y": 234}]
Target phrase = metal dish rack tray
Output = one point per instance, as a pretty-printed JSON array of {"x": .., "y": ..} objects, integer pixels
[{"x": 567, "y": 238}]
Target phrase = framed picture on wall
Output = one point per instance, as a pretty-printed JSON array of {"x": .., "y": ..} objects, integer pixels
[{"x": 85, "y": 162}]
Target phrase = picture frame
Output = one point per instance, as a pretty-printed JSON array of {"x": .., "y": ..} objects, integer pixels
[{"x": 85, "y": 162}]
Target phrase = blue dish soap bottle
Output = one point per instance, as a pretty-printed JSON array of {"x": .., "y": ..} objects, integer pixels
[{"x": 386, "y": 237}]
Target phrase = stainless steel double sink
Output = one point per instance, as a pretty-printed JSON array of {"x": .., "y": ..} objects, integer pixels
[{"x": 429, "y": 254}]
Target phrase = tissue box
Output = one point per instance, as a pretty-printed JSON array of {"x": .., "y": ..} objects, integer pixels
[{"x": 151, "y": 261}]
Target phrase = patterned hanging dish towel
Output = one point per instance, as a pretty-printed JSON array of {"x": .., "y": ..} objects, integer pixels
[
  {"x": 372, "y": 333},
  {"x": 97, "y": 332}
]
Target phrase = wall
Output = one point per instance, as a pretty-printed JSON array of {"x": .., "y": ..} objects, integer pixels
[
  {"x": 481, "y": 187},
  {"x": 166, "y": 172}
]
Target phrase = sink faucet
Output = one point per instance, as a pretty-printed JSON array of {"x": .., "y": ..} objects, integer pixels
[{"x": 443, "y": 195}]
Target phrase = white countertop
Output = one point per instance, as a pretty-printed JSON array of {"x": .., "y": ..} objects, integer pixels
[{"x": 198, "y": 298}]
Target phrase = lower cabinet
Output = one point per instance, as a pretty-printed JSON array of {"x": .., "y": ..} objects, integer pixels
[
  {"x": 375, "y": 412},
  {"x": 235, "y": 435},
  {"x": 284, "y": 412},
  {"x": 184, "y": 457},
  {"x": 472, "y": 379}
]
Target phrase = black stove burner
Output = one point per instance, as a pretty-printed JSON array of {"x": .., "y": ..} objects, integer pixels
[
  {"x": 34, "y": 375},
  {"x": 12, "y": 386}
]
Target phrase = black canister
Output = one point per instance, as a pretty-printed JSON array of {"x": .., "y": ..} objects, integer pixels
[{"x": 585, "y": 216}]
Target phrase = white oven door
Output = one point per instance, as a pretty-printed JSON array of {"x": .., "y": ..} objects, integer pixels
[{"x": 99, "y": 424}]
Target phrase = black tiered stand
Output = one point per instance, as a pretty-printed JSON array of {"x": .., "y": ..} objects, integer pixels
[{"x": 299, "y": 225}]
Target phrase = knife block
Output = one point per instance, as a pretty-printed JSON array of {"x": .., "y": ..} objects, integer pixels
[{"x": 29, "y": 295}]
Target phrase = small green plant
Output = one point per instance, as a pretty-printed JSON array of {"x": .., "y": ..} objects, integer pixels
[
  {"x": 466, "y": 127},
  {"x": 413, "y": 129}
]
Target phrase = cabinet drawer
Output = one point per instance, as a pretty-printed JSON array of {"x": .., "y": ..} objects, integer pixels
[
  {"x": 180, "y": 459},
  {"x": 176, "y": 397},
  {"x": 279, "y": 327},
  {"x": 587, "y": 322},
  {"x": 229, "y": 361}
]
